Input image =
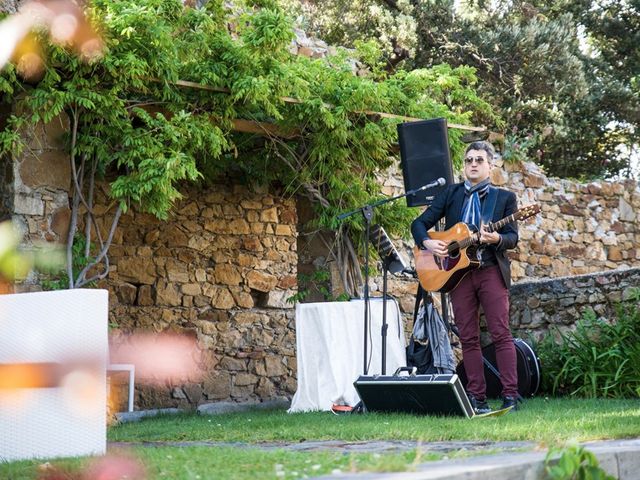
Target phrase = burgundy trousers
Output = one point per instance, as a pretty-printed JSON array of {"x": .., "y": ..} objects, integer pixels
[{"x": 485, "y": 287}]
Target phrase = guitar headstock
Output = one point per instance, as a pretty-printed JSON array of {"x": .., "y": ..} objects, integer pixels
[{"x": 528, "y": 211}]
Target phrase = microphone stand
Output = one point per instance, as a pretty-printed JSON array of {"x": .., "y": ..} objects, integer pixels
[
  {"x": 367, "y": 213},
  {"x": 391, "y": 262}
]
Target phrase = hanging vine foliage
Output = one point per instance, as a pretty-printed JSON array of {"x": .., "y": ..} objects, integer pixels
[{"x": 129, "y": 117}]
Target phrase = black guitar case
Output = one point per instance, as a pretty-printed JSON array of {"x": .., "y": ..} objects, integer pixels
[{"x": 528, "y": 370}]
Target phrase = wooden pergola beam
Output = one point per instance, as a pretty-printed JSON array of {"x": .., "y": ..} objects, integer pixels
[
  {"x": 291, "y": 100},
  {"x": 238, "y": 124},
  {"x": 262, "y": 128}
]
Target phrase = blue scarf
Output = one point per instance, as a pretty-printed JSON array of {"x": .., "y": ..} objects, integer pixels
[{"x": 471, "y": 211}]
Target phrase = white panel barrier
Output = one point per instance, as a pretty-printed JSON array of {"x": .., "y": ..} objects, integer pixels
[{"x": 60, "y": 339}]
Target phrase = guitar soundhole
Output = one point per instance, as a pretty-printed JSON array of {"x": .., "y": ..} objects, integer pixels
[{"x": 454, "y": 250}]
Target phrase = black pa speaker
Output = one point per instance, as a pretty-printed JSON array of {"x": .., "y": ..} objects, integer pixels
[
  {"x": 424, "y": 155},
  {"x": 419, "y": 394}
]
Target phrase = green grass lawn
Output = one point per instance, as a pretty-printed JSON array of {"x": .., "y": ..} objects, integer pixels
[
  {"x": 195, "y": 463},
  {"x": 539, "y": 420},
  {"x": 545, "y": 422}
]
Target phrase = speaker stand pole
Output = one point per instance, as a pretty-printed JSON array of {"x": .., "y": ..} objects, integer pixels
[
  {"x": 367, "y": 213},
  {"x": 443, "y": 296},
  {"x": 385, "y": 269},
  {"x": 445, "y": 307}
]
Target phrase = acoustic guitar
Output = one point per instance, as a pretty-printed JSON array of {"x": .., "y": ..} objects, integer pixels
[{"x": 443, "y": 274}]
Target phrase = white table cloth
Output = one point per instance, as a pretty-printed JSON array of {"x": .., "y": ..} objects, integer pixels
[{"x": 330, "y": 350}]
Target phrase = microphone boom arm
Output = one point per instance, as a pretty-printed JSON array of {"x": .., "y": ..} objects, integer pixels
[{"x": 438, "y": 183}]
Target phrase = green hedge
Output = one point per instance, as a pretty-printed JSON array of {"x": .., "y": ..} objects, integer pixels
[{"x": 599, "y": 358}]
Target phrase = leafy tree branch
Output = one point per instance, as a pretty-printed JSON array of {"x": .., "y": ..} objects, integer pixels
[{"x": 146, "y": 137}]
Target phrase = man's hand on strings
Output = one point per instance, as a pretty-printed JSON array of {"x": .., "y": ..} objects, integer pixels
[
  {"x": 488, "y": 237},
  {"x": 437, "y": 247}
]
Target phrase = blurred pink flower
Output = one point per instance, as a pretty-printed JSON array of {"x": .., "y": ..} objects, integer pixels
[
  {"x": 159, "y": 358},
  {"x": 112, "y": 467},
  {"x": 66, "y": 25}
]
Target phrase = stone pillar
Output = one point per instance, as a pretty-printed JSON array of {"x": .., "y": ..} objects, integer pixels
[
  {"x": 36, "y": 185},
  {"x": 6, "y": 172}
]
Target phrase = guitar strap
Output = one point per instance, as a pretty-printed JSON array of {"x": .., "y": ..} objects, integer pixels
[
  {"x": 489, "y": 205},
  {"x": 420, "y": 294}
]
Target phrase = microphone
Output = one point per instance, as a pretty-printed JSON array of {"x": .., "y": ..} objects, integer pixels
[{"x": 436, "y": 183}]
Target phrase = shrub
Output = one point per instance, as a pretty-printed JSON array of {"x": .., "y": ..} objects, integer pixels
[{"x": 598, "y": 358}]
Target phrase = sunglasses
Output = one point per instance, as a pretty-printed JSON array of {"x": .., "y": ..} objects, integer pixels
[{"x": 470, "y": 160}]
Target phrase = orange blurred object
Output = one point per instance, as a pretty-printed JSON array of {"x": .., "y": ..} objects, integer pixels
[
  {"x": 63, "y": 28},
  {"x": 70, "y": 27},
  {"x": 31, "y": 67},
  {"x": 29, "y": 375},
  {"x": 6, "y": 287},
  {"x": 110, "y": 467},
  {"x": 27, "y": 57},
  {"x": 82, "y": 391},
  {"x": 91, "y": 49},
  {"x": 44, "y": 374}
]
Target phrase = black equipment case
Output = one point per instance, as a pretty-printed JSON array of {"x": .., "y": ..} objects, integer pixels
[
  {"x": 528, "y": 370},
  {"x": 436, "y": 394}
]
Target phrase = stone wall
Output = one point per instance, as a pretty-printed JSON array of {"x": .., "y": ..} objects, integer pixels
[
  {"x": 583, "y": 228},
  {"x": 220, "y": 269},
  {"x": 540, "y": 304},
  {"x": 7, "y": 191}
]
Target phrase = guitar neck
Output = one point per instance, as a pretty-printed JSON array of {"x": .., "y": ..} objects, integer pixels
[
  {"x": 501, "y": 223},
  {"x": 465, "y": 242},
  {"x": 492, "y": 227},
  {"x": 521, "y": 214}
]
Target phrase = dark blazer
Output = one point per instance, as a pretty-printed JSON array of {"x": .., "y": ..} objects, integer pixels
[{"x": 448, "y": 204}]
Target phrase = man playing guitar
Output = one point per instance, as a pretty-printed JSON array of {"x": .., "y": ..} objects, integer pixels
[{"x": 477, "y": 203}]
